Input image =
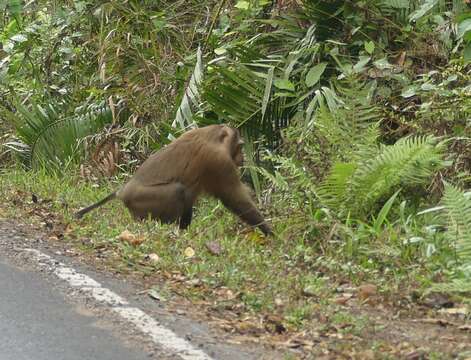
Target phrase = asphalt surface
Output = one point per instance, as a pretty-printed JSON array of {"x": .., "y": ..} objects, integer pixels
[{"x": 37, "y": 323}]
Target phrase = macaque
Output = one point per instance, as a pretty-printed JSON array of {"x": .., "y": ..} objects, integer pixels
[{"x": 201, "y": 161}]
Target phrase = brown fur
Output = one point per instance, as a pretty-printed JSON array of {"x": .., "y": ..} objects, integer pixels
[{"x": 168, "y": 183}]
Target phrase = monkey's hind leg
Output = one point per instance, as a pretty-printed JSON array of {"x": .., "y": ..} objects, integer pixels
[
  {"x": 186, "y": 217},
  {"x": 164, "y": 202}
]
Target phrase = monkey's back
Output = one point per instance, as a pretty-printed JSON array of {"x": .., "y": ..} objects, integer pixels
[{"x": 195, "y": 155}]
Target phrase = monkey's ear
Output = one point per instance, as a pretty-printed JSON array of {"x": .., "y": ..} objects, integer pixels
[{"x": 224, "y": 133}]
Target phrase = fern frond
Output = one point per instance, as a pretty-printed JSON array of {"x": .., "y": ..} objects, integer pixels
[
  {"x": 457, "y": 209},
  {"x": 350, "y": 125},
  {"x": 355, "y": 188},
  {"x": 459, "y": 285},
  {"x": 334, "y": 190}
]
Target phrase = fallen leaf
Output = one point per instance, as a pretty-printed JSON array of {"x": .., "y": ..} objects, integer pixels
[
  {"x": 152, "y": 293},
  {"x": 68, "y": 229},
  {"x": 130, "y": 238},
  {"x": 214, "y": 247},
  {"x": 440, "y": 322},
  {"x": 256, "y": 237},
  {"x": 367, "y": 355},
  {"x": 342, "y": 300},
  {"x": 189, "y": 252},
  {"x": 465, "y": 328},
  {"x": 154, "y": 258},
  {"x": 416, "y": 355},
  {"x": 126, "y": 236},
  {"x": 401, "y": 59},
  {"x": 225, "y": 293},
  {"x": 193, "y": 282},
  {"x": 367, "y": 291},
  {"x": 454, "y": 311},
  {"x": 274, "y": 324},
  {"x": 310, "y": 290},
  {"x": 245, "y": 327}
]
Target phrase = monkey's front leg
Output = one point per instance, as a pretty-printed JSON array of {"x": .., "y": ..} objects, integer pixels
[{"x": 240, "y": 203}]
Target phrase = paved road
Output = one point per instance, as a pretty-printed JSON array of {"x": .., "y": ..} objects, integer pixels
[{"x": 37, "y": 323}]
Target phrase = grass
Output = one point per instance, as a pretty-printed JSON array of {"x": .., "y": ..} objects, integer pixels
[{"x": 294, "y": 274}]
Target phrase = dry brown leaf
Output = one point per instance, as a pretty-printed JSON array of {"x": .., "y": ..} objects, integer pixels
[
  {"x": 367, "y": 291},
  {"x": 454, "y": 311},
  {"x": 466, "y": 327},
  {"x": 245, "y": 327},
  {"x": 274, "y": 324},
  {"x": 401, "y": 59},
  {"x": 440, "y": 322},
  {"x": 193, "y": 282},
  {"x": 214, "y": 247},
  {"x": 342, "y": 300},
  {"x": 130, "y": 238},
  {"x": 279, "y": 302}
]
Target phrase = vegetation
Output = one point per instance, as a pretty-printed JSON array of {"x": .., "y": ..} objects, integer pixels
[{"x": 356, "y": 119}]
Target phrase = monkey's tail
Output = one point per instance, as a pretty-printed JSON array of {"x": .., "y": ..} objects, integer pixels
[{"x": 83, "y": 211}]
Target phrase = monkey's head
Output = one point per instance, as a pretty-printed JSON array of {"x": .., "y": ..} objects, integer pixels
[{"x": 233, "y": 142}]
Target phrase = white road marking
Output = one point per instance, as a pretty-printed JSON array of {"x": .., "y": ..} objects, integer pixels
[{"x": 160, "y": 335}]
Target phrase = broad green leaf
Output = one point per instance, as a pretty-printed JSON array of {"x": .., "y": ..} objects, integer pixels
[
  {"x": 220, "y": 51},
  {"x": 426, "y": 6},
  {"x": 399, "y": 4},
  {"x": 159, "y": 23},
  {"x": 360, "y": 65},
  {"x": 407, "y": 93},
  {"x": 467, "y": 53},
  {"x": 464, "y": 27},
  {"x": 14, "y": 7},
  {"x": 370, "y": 47},
  {"x": 428, "y": 87},
  {"x": 315, "y": 74},
  {"x": 242, "y": 5},
  {"x": 379, "y": 221},
  {"x": 19, "y": 38},
  {"x": 383, "y": 64},
  {"x": 284, "y": 84}
]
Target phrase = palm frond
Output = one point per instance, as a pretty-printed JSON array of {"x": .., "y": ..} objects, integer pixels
[
  {"x": 191, "y": 97},
  {"x": 46, "y": 138},
  {"x": 242, "y": 95},
  {"x": 59, "y": 141}
]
